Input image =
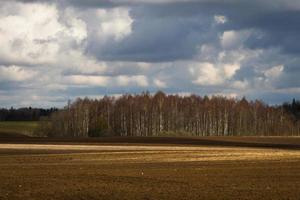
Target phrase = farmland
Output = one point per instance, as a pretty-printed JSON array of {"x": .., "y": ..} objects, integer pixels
[
  {"x": 150, "y": 168},
  {"x": 17, "y": 129}
]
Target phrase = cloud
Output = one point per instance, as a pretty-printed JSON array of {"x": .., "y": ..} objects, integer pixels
[
  {"x": 274, "y": 72},
  {"x": 159, "y": 83},
  {"x": 210, "y": 74},
  {"x": 220, "y": 19},
  {"x": 116, "y": 22},
  {"x": 39, "y": 37},
  {"x": 240, "y": 85},
  {"x": 234, "y": 39},
  {"x": 87, "y": 80},
  {"x": 206, "y": 74},
  {"x": 107, "y": 81},
  {"x": 16, "y": 74},
  {"x": 52, "y": 51},
  {"x": 136, "y": 80}
]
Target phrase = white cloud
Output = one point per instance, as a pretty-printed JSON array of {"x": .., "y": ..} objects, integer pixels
[
  {"x": 16, "y": 73},
  {"x": 82, "y": 80},
  {"x": 33, "y": 34},
  {"x": 234, "y": 39},
  {"x": 159, "y": 83},
  {"x": 227, "y": 95},
  {"x": 220, "y": 19},
  {"x": 138, "y": 80},
  {"x": 274, "y": 72},
  {"x": 114, "y": 22},
  {"x": 75, "y": 27},
  {"x": 230, "y": 69},
  {"x": 107, "y": 81},
  {"x": 212, "y": 74},
  {"x": 77, "y": 62},
  {"x": 206, "y": 74},
  {"x": 240, "y": 85},
  {"x": 56, "y": 87}
]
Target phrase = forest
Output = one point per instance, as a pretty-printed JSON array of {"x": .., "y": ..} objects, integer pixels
[
  {"x": 25, "y": 114},
  {"x": 172, "y": 115}
]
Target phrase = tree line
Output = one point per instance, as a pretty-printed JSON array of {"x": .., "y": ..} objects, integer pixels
[
  {"x": 161, "y": 114},
  {"x": 293, "y": 108},
  {"x": 25, "y": 114}
]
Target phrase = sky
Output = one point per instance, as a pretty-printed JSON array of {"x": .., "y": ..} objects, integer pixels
[{"x": 55, "y": 50}]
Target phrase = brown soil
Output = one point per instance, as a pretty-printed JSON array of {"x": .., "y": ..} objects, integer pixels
[
  {"x": 264, "y": 142},
  {"x": 158, "y": 169}
]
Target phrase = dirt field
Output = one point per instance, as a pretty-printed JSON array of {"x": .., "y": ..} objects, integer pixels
[{"x": 154, "y": 168}]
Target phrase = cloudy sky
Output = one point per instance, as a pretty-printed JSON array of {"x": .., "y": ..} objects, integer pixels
[{"x": 55, "y": 50}]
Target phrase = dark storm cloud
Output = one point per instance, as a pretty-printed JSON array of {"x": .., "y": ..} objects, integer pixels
[
  {"x": 166, "y": 31},
  {"x": 277, "y": 28},
  {"x": 157, "y": 40}
]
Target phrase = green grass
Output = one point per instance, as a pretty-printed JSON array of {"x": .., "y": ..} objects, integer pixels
[{"x": 22, "y": 127}]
